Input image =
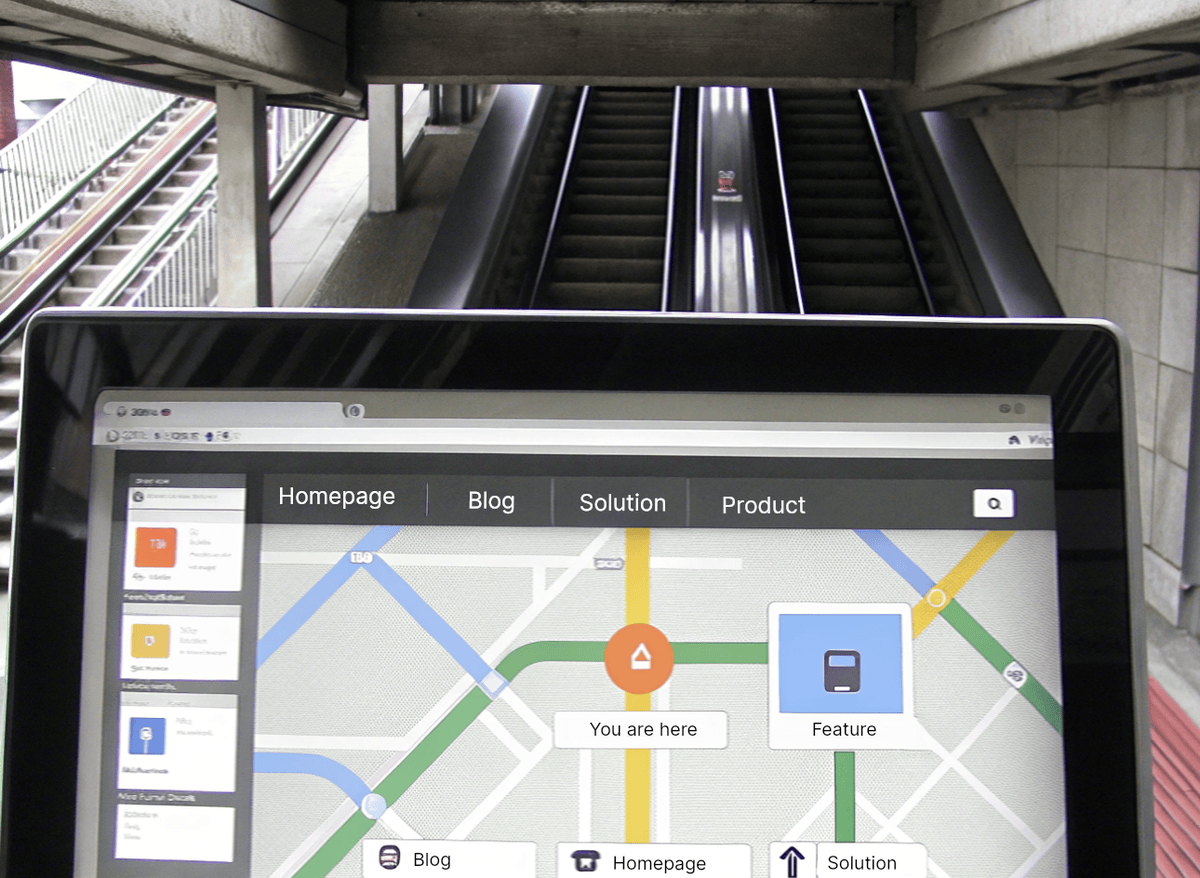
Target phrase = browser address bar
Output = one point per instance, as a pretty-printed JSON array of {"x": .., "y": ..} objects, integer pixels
[{"x": 595, "y": 439}]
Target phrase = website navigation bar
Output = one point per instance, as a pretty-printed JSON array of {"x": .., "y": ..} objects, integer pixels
[{"x": 652, "y": 501}]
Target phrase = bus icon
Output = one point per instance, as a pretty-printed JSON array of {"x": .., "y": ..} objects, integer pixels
[{"x": 843, "y": 669}]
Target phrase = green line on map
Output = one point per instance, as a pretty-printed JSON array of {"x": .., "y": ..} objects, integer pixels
[
  {"x": 1000, "y": 658},
  {"x": 475, "y": 702},
  {"x": 843, "y": 797}
]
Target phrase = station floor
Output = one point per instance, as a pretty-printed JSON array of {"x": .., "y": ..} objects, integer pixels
[{"x": 331, "y": 252}]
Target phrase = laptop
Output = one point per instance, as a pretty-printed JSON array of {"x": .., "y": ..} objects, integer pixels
[{"x": 527, "y": 595}]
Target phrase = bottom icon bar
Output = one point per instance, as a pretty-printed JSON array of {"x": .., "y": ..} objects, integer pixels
[
  {"x": 804, "y": 859},
  {"x": 654, "y": 860}
]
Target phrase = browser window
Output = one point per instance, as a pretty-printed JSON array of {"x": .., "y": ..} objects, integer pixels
[{"x": 537, "y": 634}]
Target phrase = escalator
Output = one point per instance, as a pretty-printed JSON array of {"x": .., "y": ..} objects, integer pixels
[
  {"x": 731, "y": 199},
  {"x": 862, "y": 234},
  {"x": 608, "y": 242}
]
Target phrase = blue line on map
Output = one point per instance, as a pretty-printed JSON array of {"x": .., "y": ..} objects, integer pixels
[
  {"x": 437, "y": 627},
  {"x": 310, "y": 763},
  {"x": 897, "y": 560},
  {"x": 301, "y": 611}
]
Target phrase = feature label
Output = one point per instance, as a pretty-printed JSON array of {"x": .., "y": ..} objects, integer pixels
[
  {"x": 871, "y": 860},
  {"x": 717, "y": 860},
  {"x": 496, "y": 859},
  {"x": 841, "y": 677},
  {"x": 649, "y": 730}
]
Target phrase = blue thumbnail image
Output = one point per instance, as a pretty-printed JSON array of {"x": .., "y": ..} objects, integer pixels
[
  {"x": 805, "y": 644},
  {"x": 148, "y": 736}
]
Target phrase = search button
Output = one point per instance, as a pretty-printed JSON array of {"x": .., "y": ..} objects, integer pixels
[{"x": 995, "y": 503}]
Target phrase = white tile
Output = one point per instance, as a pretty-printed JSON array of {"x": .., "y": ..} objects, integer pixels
[
  {"x": 1137, "y": 133},
  {"x": 1080, "y": 284},
  {"x": 1083, "y": 136},
  {"x": 1162, "y": 585},
  {"x": 1173, "y": 423},
  {"x": 1181, "y": 219},
  {"x": 1037, "y": 137},
  {"x": 1183, "y": 130},
  {"x": 1132, "y": 293},
  {"x": 1037, "y": 205},
  {"x": 1177, "y": 335},
  {"x": 1135, "y": 213},
  {"x": 1082, "y": 208},
  {"x": 1145, "y": 396},
  {"x": 1166, "y": 523},
  {"x": 1145, "y": 487}
]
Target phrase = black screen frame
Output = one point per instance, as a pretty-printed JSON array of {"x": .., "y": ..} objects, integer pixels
[{"x": 71, "y": 355}]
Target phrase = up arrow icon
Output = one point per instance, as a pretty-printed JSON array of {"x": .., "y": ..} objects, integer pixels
[{"x": 793, "y": 857}]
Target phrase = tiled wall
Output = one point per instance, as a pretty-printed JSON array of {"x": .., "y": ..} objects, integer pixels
[{"x": 1109, "y": 196}]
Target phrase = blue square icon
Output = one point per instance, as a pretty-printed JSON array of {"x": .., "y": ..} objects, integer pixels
[
  {"x": 148, "y": 736},
  {"x": 841, "y": 663}
]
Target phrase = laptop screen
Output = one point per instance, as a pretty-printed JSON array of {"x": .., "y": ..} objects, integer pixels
[{"x": 368, "y": 633}]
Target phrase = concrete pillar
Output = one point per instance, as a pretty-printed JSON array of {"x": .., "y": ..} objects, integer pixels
[
  {"x": 385, "y": 148},
  {"x": 243, "y": 211}
]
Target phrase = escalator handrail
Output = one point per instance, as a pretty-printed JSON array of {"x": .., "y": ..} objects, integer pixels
[
  {"x": 124, "y": 272},
  {"x": 998, "y": 257},
  {"x": 672, "y": 185},
  {"x": 13, "y": 239},
  {"x": 793, "y": 263},
  {"x": 910, "y": 247},
  {"x": 45, "y": 274},
  {"x": 556, "y": 215}
]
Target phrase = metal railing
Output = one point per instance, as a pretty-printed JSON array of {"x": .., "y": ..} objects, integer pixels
[
  {"x": 288, "y": 132},
  {"x": 185, "y": 274},
  {"x": 67, "y": 147}
]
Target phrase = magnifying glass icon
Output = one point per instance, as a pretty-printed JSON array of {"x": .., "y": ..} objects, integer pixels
[{"x": 994, "y": 503}]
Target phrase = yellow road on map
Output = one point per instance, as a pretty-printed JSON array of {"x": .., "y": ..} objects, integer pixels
[
  {"x": 637, "y": 610},
  {"x": 942, "y": 593}
]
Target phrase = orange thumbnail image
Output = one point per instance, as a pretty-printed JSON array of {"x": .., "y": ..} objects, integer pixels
[
  {"x": 154, "y": 547},
  {"x": 150, "y": 641}
]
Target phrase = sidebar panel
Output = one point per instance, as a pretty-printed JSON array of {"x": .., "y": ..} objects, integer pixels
[{"x": 177, "y": 757}]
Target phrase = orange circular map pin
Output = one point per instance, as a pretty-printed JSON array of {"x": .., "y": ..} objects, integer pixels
[{"x": 639, "y": 658}]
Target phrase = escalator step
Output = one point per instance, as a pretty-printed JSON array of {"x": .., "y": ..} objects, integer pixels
[
  {"x": 608, "y": 168},
  {"x": 824, "y": 152},
  {"x": 613, "y": 205},
  {"x": 631, "y": 135},
  {"x": 812, "y": 187},
  {"x": 837, "y": 170},
  {"x": 626, "y": 121},
  {"x": 857, "y": 274},
  {"x": 637, "y": 226},
  {"x": 850, "y": 250},
  {"x": 619, "y": 186},
  {"x": 820, "y": 299},
  {"x": 852, "y": 229},
  {"x": 611, "y": 246},
  {"x": 842, "y": 208},
  {"x": 603, "y": 296},
  {"x": 625, "y": 151},
  {"x": 647, "y": 271}
]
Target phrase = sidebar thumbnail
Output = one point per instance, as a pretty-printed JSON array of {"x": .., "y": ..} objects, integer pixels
[{"x": 175, "y": 720}]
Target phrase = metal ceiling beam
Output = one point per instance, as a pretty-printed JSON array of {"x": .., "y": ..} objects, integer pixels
[
  {"x": 632, "y": 43},
  {"x": 226, "y": 40}
]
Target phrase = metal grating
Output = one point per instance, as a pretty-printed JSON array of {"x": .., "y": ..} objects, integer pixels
[{"x": 1175, "y": 746}]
